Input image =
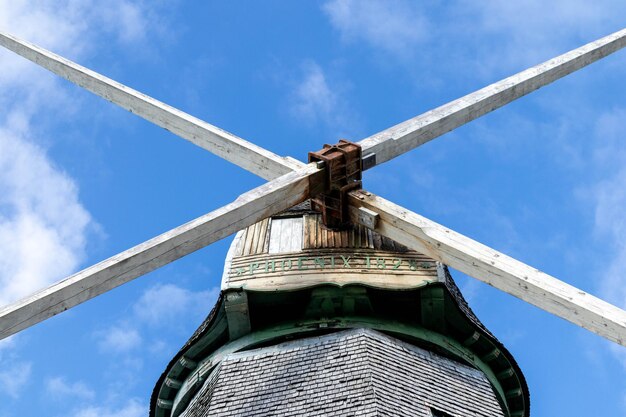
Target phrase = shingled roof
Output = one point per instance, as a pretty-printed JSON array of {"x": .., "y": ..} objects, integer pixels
[{"x": 350, "y": 373}]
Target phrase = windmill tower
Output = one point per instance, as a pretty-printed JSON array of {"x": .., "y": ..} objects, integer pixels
[{"x": 358, "y": 311}]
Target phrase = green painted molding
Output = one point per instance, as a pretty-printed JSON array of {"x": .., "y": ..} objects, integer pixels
[{"x": 204, "y": 369}]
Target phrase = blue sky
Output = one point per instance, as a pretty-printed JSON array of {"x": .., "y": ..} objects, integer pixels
[{"x": 543, "y": 180}]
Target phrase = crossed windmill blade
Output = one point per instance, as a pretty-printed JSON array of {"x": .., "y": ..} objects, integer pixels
[{"x": 292, "y": 182}]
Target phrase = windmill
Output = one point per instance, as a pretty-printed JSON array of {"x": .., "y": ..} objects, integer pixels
[{"x": 292, "y": 182}]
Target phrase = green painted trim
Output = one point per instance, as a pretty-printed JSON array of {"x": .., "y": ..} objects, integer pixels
[
  {"x": 433, "y": 308},
  {"x": 206, "y": 366}
]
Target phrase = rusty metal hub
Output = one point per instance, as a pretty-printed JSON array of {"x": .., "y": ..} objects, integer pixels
[{"x": 343, "y": 167}]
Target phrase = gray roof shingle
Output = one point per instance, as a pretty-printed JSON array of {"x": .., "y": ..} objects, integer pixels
[{"x": 356, "y": 372}]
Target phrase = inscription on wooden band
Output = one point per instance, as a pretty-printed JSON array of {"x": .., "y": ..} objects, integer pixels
[{"x": 249, "y": 266}]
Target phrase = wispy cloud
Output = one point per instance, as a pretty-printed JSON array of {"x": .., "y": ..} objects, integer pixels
[
  {"x": 43, "y": 224},
  {"x": 606, "y": 189},
  {"x": 127, "y": 343},
  {"x": 133, "y": 408},
  {"x": 508, "y": 34},
  {"x": 131, "y": 19},
  {"x": 14, "y": 377},
  {"x": 60, "y": 389},
  {"x": 15, "y": 373},
  {"x": 6, "y": 344},
  {"x": 608, "y": 194},
  {"x": 70, "y": 25},
  {"x": 316, "y": 100},
  {"x": 162, "y": 305},
  {"x": 120, "y": 338},
  {"x": 42, "y": 239},
  {"x": 394, "y": 26},
  {"x": 313, "y": 99},
  {"x": 610, "y": 224},
  {"x": 165, "y": 304}
]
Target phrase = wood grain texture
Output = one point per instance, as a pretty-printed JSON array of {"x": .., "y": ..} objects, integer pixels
[
  {"x": 414, "y": 132},
  {"x": 339, "y": 266},
  {"x": 255, "y": 205},
  {"x": 286, "y": 235},
  {"x": 220, "y": 142},
  {"x": 493, "y": 267}
]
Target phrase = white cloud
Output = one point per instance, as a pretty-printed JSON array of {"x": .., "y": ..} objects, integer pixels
[
  {"x": 609, "y": 139},
  {"x": 133, "y": 408},
  {"x": 162, "y": 305},
  {"x": 502, "y": 35},
  {"x": 118, "y": 339},
  {"x": 14, "y": 377},
  {"x": 517, "y": 33},
  {"x": 69, "y": 25},
  {"x": 14, "y": 373},
  {"x": 59, "y": 389},
  {"x": 43, "y": 224},
  {"x": 315, "y": 100},
  {"x": 605, "y": 191},
  {"x": 131, "y": 19},
  {"x": 395, "y": 26},
  {"x": 52, "y": 25},
  {"x": 165, "y": 304},
  {"x": 6, "y": 344},
  {"x": 568, "y": 18},
  {"x": 608, "y": 195},
  {"x": 610, "y": 224}
]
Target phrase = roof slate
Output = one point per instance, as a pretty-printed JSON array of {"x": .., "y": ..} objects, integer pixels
[{"x": 356, "y": 372}]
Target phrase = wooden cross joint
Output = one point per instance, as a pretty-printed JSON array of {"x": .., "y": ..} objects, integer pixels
[{"x": 343, "y": 166}]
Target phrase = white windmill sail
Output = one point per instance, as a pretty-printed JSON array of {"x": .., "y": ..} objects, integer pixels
[
  {"x": 249, "y": 208},
  {"x": 385, "y": 145},
  {"x": 489, "y": 265},
  {"x": 247, "y": 155},
  {"x": 281, "y": 193},
  {"x": 414, "y": 132}
]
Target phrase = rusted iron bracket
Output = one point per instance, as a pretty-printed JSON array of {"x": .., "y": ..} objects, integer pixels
[{"x": 343, "y": 166}]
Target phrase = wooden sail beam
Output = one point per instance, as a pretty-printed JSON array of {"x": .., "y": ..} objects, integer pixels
[
  {"x": 489, "y": 266},
  {"x": 251, "y": 157},
  {"x": 414, "y": 132},
  {"x": 377, "y": 149},
  {"x": 249, "y": 208},
  {"x": 408, "y": 228}
]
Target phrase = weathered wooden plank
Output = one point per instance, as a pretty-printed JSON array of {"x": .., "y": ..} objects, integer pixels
[
  {"x": 275, "y": 234},
  {"x": 224, "y": 144},
  {"x": 306, "y": 268},
  {"x": 263, "y": 236},
  {"x": 286, "y": 235},
  {"x": 414, "y": 132},
  {"x": 493, "y": 267},
  {"x": 257, "y": 204},
  {"x": 257, "y": 236}
]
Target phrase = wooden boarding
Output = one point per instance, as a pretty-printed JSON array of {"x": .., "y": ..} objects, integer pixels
[
  {"x": 220, "y": 142},
  {"x": 306, "y": 254},
  {"x": 414, "y": 132},
  {"x": 310, "y": 268},
  {"x": 249, "y": 208},
  {"x": 492, "y": 267}
]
